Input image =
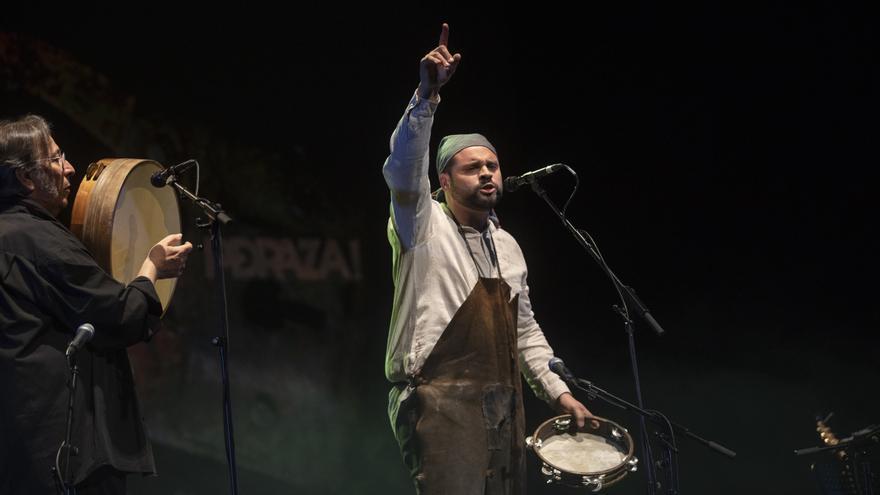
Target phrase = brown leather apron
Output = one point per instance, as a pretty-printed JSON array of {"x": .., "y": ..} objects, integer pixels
[{"x": 461, "y": 429}]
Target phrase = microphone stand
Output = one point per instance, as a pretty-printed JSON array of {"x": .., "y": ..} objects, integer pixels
[
  {"x": 595, "y": 392},
  {"x": 868, "y": 436},
  {"x": 858, "y": 448},
  {"x": 217, "y": 217},
  {"x": 626, "y": 294},
  {"x": 628, "y": 299},
  {"x": 66, "y": 447}
]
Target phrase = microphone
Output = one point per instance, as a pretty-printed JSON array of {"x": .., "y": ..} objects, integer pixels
[
  {"x": 514, "y": 182},
  {"x": 84, "y": 334},
  {"x": 557, "y": 366},
  {"x": 160, "y": 178}
]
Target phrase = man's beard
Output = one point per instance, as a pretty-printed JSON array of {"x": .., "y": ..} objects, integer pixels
[
  {"x": 474, "y": 199},
  {"x": 49, "y": 189},
  {"x": 44, "y": 183}
]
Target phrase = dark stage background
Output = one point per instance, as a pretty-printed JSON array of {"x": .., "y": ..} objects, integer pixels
[{"x": 727, "y": 166}]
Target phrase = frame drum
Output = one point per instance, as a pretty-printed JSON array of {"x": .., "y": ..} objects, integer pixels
[
  {"x": 588, "y": 458},
  {"x": 119, "y": 216}
]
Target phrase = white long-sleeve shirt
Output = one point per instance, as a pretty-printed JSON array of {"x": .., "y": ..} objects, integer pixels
[{"x": 433, "y": 269}]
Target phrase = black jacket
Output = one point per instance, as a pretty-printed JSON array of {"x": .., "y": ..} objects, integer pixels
[{"x": 49, "y": 285}]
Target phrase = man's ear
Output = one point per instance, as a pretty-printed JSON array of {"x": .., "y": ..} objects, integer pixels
[
  {"x": 444, "y": 181},
  {"x": 25, "y": 179}
]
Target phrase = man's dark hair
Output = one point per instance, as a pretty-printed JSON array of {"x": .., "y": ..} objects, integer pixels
[{"x": 23, "y": 143}]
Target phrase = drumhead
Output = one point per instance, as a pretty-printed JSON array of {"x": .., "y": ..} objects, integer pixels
[{"x": 582, "y": 453}]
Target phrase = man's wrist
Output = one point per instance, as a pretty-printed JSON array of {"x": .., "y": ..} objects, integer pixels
[
  {"x": 149, "y": 270},
  {"x": 428, "y": 93}
]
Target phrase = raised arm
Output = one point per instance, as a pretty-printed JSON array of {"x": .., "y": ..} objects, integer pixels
[{"x": 407, "y": 167}]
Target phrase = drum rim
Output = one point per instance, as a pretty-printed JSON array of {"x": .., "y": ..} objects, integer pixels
[{"x": 549, "y": 424}]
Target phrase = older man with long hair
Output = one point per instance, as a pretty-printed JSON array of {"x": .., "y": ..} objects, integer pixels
[{"x": 49, "y": 285}]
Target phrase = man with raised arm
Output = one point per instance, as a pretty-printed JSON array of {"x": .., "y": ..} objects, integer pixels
[{"x": 462, "y": 328}]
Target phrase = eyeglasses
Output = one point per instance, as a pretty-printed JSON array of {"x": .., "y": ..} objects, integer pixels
[{"x": 59, "y": 158}]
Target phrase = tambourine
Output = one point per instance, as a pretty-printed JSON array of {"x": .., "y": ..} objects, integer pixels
[{"x": 583, "y": 457}]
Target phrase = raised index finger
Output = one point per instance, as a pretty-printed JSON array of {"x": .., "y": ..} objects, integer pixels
[{"x": 444, "y": 35}]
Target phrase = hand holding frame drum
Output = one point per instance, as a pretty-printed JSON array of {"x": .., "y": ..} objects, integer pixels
[{"x": 131, "y": 227}]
